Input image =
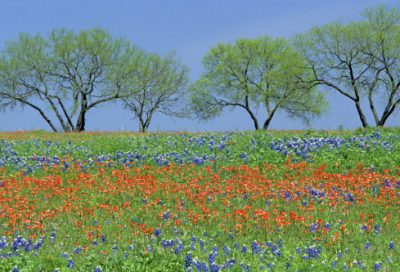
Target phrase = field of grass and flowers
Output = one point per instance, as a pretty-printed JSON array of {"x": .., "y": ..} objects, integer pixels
[{"x": 214, "y": 201}]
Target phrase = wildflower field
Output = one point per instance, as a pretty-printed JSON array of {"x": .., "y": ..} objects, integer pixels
[{"x": 213, "y": 201}]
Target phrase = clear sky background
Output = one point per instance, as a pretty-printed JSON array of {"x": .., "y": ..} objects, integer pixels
[{"x": 190, "y": 27}]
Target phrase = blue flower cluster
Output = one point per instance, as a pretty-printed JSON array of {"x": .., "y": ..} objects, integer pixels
[{"x": 9, "y": 157}]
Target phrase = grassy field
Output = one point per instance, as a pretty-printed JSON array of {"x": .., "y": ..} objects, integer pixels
[{"x": 206, "y": 201}]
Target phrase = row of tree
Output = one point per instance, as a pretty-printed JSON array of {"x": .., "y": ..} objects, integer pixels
[{"x": 73, "y": 73}]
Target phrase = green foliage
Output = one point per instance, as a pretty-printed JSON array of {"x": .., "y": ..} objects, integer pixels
[
  {"x": 356, "y": 59},
  {"x": 162, "y": 83},
  {"x": 57, "y": 69},
  {"x": 254, "y": 72}
]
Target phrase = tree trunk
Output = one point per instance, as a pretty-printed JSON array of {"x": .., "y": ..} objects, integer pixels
[
  {"x": 247, "y": 107},
  {"x": 80, "y": 124},
  {"x": 254, "y": 118},
  {"x": 388, "y": 110},
  {"x": 361, "y": 114},
  {"x": 141, "y": 124},
  {"x": 371, "y": 105},
  {"x": 386, "y": 114},
  {"x": 266, "y": 123}
]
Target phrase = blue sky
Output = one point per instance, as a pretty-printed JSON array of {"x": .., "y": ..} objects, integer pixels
[{"x": 190, "y": 28}]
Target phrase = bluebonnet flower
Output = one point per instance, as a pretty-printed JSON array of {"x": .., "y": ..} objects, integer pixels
[
  {"x": 288, "y": 195},
  {"x": 244, "y": 249},
  {"x": 214, "y": 267},
  {"x": 149, "y": 248},
  {"x": 98, "y": 269},
  {"x": 215, "y": 248},
  {"x": 71, "y": 263},
  {"x": 178, "y": 249},
  {"x": 157, "y": 232},
  {"x": 167, "y": 214},
  {"x": 389, "y": 259},
  {"x": 377, "y": 266},
  {"x": 164, "y": 243},
  {"x": 15, "y": 269},
  {"x": 197, "y": 263},
  {"x": 188, "y": 259},
  {"x": 277, "y": 252},
  {"x": 391, "y": 245},
  {"x": 313, "y": 226},
  {"x": 226, "y": 249},
  {"x": 201, "y": 243},
  {"x": 367, "y": 245},
  {"x": 94, "y": 242},
  {"x": 28, "y": 247},
  {"x": 327, "y": 226},
  {"x": 205, "y": 233},
  {"x": 255, "y": 248},
  {"x": 103, "y": 238},
  {"x": 204, "y": 266},
  {"x": 311, "y": 251},
  {"x": 211, "y": 257},
  {"x": 230, "y": 235},
  {"x": 377, "y": 228}
]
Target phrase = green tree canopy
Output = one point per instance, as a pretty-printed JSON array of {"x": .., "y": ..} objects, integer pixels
[
  {"x": 162, "y": 84},
  {"x": 252, "y": 72},
  {"x": 82, "y": 70},
  {"x": 357, "y": 59}
]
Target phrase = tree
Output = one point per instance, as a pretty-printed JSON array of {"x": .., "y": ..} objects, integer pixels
[
  {"x": 162, "y": 83},
  {"x": 358, "y": 58},
  {"x": 254, "y": 71},
  {"x": 84, "y": 70}
]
